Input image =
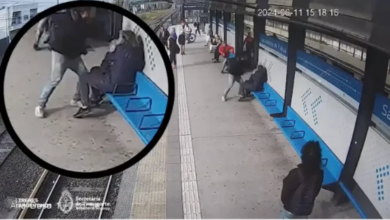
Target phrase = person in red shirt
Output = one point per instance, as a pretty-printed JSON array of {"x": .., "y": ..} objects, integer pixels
[
  {"x": 225, "y": 50},
  {"x": 248, "y": 47}
]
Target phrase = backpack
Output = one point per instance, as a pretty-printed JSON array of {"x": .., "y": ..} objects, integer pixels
[{"x": 302, "y": 201}]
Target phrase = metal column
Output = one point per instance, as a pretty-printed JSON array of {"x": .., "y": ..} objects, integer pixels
[
  {"x": 258, "y": 29},
  {"x": 239, "y": 38},
  {"x": 226, "y": 20},
  {"x": 182, "y": 14},
  {"x": 211, "y": 16},
  {"x": 217, "y": 16},
  {"x": 296, "y": 41},
  {"x": 374, "y": 81}
]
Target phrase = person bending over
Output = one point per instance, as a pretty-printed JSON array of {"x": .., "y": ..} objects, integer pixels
[
  {"x": 119, "y": 67},
  {"x": 303, "y": 183},
  {"x": 235, "y": 72},
  {"x": 225, "y": 50},
  {"x": 67, "y": 40}
]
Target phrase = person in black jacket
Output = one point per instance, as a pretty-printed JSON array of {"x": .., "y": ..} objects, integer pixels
[
  {"x": 164, "y": 35},
  {"x": 235, "y": 72},
  {"x": 67, "y": 40},
  {"x": 182, "y": 42},
  {"x": 119, "y": 67},
  {"x": 255, "y": 83},
  {"x": 173, "y": 51},
  {"x": 303, "y": 183}
]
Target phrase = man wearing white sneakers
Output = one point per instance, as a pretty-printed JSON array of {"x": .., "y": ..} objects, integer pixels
[{"x": 67, "y": 42}]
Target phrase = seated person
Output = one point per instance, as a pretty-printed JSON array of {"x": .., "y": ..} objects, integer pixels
[
  {"x": 216, "y": 50},
  {"x": 256, "y": 81},
  {"x": 119, "y": 67},
  {"x": 213, "y": 43}
]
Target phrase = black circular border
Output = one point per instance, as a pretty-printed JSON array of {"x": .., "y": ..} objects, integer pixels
[{"x": 171, "y": 89}]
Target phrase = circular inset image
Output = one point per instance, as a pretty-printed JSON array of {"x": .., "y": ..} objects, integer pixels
[{"x": 84, "y": 97}]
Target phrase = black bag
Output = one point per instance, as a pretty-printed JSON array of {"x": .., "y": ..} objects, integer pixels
[{"x": 177, "y": 48}]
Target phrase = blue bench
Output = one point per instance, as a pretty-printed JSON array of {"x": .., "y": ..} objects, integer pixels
[
  {"x": 298, "y": 133},
  {"x": 143, "y": 106},
  {"x": 270, "y": 99}
]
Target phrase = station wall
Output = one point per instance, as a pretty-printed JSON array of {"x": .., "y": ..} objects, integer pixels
[
  {"x": 332, "y": 97},
  {"x": 155, "y": 68}
]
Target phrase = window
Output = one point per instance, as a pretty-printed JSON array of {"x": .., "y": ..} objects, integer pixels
[
  {"x": 16, "y": 17},
  {"x": 358, "y": 52},
  {"x": 25, "y": 17},
  {"x": 33, "y": 12}
]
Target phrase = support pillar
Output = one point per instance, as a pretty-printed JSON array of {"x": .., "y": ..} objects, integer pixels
[
  {"x": 211, "y": 16},
  {"x": 226, "y": 20},
  {"x": 296, "y": 41},
  {"x": 239, "y": 38},
  {"x": 217, "y": 16},
  {"x": 182, "y": 14},
  {"x": 373, "y": 82},
  {"x": 258, "y": 30}
]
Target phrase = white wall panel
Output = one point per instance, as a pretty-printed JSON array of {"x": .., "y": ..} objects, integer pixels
[{"x": 329, "y": 118}]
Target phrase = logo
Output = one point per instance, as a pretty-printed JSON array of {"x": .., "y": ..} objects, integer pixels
[{"x": 65, "y": 203}]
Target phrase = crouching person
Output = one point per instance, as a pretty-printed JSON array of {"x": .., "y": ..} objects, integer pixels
[
  {"x": 255, "y": 83},
  {"x": 120, "y": 66}
]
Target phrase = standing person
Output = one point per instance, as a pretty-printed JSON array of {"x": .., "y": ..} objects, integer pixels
[
  {"x": 196, "y": 25},
  {"x": 173, "y": 51},
  {"x": 68, "y": 42},
  {"x": 248, "y": 48},
  {"x": 173, "y": 34},
  {"x": 303, "y": 183},
  {"x": 182, "y": 42},
  {"x": 235, "y": 73}
]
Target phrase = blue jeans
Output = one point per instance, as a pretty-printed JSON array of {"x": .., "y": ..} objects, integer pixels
[
  {"x": 59, "y": 64},
  {"x": 288, "y": 215}
]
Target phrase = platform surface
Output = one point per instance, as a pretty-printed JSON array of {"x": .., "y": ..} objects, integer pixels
[
  {"x": 231, "y": 154},
  {"x": 101, "y": 141}
]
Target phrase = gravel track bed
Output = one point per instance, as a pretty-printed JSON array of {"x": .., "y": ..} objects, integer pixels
[
  {"x": 78, "y": 188},
  {"x": 18, "y": 176}
]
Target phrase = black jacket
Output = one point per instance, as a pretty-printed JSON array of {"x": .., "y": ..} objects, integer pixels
[
  {"x": 235, "y": 67},
  {"x": 67, "y": 37},
  {"x": 300, "y": 191},
  {"x": 182, "y": 39},
  {"x": 258, "y": 79}
]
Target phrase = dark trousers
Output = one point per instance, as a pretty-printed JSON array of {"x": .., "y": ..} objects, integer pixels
[
  {"x": 172, "y": 58},
  {"x": 197, "y": 31},
  {"x": 97, "y": 81}
]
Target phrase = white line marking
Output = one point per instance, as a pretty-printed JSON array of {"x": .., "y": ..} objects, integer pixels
[{"x": 191, "y": 204}]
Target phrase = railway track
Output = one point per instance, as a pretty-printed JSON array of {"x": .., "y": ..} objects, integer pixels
[
  {"x": 56, "y": 196},
  {"x": 6, "y": 143}
]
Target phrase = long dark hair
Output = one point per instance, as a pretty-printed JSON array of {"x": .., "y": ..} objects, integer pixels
[{"x": 311, "y": 157}]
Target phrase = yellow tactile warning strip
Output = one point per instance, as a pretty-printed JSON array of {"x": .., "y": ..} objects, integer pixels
[{"x": 149, "y": 201}]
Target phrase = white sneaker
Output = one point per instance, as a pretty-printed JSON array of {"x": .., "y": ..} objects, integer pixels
[
  {"x": 75, "y": 103},
  {"x": 223, "y": 99},
  {"x": 39, "y": 112}
]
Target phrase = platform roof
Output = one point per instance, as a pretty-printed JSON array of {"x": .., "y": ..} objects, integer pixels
[{"x": 358, "y": 20}]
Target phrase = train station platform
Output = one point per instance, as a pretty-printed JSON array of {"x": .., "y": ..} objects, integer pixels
[
  {"x": 101, "y": 141},
  {"x": 240, "y": 155},
  {"x": 222, "y": 159}
]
